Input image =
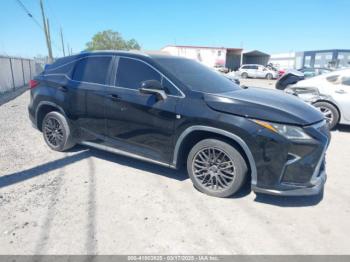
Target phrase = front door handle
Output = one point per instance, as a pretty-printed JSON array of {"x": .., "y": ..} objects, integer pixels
[{"x": 340, "y": 91}]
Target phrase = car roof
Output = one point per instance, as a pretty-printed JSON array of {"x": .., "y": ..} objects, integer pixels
[
  {"x": 134, "y": 53},
  {"x": 252, "y": 65}
]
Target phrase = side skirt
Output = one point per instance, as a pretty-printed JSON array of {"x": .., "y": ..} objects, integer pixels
[{"x": 125, "y": 153}]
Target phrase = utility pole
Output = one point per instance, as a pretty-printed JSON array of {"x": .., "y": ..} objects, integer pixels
[
  {"x": 68, "y": 50},
  {"x": 64, "y": 53},
  {"x": 241, "y": 62},
  {"x": 47, "y": 32}
]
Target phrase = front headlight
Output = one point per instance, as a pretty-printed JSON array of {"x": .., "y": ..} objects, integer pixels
[{"x": 290, "y": 132}]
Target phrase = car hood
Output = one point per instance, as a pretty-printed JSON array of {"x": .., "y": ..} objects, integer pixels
[
  {"x": 311, "y": 82},
  {"x": 264, "y": 104}
]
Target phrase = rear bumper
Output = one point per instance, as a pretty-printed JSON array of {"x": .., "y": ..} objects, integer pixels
[
  {"x": 32, "y": 118},
  {"x": 315, "y": 189}
]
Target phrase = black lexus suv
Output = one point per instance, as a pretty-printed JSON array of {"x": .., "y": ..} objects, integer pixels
[{"x": 174, "y": 111}]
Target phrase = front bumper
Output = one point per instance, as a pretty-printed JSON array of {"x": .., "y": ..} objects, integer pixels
[
  {"x": 295, "y": 169},
  {"x": 315, "y": 189}
]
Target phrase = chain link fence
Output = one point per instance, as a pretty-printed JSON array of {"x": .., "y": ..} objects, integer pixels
[{"x": 16, "y": 72}]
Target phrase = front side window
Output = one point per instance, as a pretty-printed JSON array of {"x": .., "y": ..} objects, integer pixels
[
  {"x": 196, "y": 76},
  {"x": 334, "y": 79},
  {"x": 346, "y": 80},
  {"x": 92, "y": 69},
  {"x": 132, "y": 72}
]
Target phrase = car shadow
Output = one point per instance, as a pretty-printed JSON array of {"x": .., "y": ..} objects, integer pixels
[
  {"x": 178, "y": 174},
  {"x": 289, "y": 201},
  {"x": 84, "y": 152},
  {"x": 342, "y": 128},
  {"x": 26, "y": 174}
]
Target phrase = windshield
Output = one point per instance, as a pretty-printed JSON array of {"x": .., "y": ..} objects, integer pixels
[{"x": 197, "y": 76}]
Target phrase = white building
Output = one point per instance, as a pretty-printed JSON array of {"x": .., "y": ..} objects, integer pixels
[
  {"x": 232, "y": 58},
  {"x": 283, "y": 60},
  {"x": 210, "y": 56}
]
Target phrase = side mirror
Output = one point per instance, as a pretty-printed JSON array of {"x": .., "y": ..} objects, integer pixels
[{"x": 153, "y": 87}]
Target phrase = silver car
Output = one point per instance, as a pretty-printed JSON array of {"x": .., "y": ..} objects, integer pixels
[
  {"x": 257, "y": 71},
  {"x": 330, "y": 93}
]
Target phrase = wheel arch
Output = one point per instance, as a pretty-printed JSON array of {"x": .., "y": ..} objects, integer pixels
[
  {"x": 329, "y": 102},
  {"x": 43, "y": 108},
  {"x": 194, "y": 134}
]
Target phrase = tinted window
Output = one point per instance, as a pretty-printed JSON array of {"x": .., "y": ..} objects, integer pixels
[
  {"x": 333, "y": 79},
  {"x": 254, "y": 67},
  {"x": 169, "y": 87},
  {"x": 92, "y": 69},
  {"x": 346, "y": 80},
  {"x": 132, "y": 72},
  {"x": 61, "y": 66},
  {"x": 197, "y": 76}
]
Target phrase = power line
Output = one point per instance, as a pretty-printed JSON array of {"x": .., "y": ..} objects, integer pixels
[{"x": 25, "y": 9}]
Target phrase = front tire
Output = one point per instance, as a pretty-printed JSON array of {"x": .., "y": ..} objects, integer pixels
[
  {"x": 216, "y": 168},
  {"x": 269, "y": 76},
  {"x": 57, "y": 132},
  {"x": 330, "y": 113}
]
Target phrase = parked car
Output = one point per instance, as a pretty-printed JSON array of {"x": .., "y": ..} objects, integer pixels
[
  {"x": 257, "y": 71},
  {"x": 289, "y": 78},
  {"x": 176, "y": 112},
  {"x": 220, "y": 68},
  {"x": 329, "y": 93},
  {"x": 314, "y": 71}
]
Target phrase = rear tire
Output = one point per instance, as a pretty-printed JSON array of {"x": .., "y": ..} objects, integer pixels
[
  {"x": 269, "y": 76},
  {"x": 216, "y": 168},
  {"x": 244, "y": 75},
  {"x": 57, "y": 132},
  {"x": 330, "y": 113}
]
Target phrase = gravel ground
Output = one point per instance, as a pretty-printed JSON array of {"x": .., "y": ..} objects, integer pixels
[{"x": 91, "y": 202}]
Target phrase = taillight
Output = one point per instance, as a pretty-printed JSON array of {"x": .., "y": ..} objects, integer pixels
[{"x": 33, "y": 83}]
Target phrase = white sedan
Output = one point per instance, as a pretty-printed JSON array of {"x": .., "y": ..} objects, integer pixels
[{"x": 330, "y": 93}]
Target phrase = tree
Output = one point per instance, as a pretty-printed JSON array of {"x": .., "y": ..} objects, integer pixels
[{"x": 111, "y": 40}]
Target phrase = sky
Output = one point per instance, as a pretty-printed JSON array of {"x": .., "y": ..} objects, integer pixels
[{"x": 271, "y": 26}]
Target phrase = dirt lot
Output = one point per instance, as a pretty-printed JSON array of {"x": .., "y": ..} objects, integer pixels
[{"x": 90, "y": 202}]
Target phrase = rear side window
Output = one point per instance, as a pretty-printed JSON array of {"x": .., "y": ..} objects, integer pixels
[
  {"x": 92, "y": 69},
  {"x": 346, "y": 80},
  {"x": 62, "y": 66},
  {"x": 132, "y": 72}
]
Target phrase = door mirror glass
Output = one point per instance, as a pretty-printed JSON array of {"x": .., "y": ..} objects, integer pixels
[{"x": 151, "y": 84}]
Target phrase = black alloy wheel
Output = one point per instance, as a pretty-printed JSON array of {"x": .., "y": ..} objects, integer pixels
[
  {"x": 57, "y": 132},
  {"x": 216, "y": 168}
]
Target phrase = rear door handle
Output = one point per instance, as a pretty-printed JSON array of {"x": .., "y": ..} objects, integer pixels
[
  {"x": 114, "y": 97},
  {"x": 63, "y": 89}
]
